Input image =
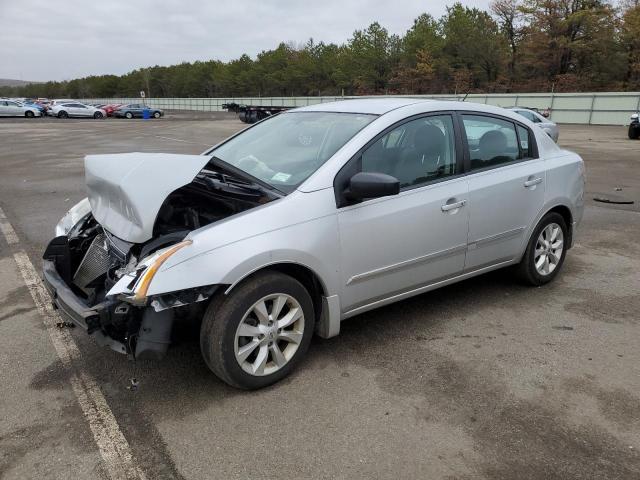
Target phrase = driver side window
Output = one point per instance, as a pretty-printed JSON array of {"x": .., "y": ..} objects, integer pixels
[{"x": 416, "y": 152}]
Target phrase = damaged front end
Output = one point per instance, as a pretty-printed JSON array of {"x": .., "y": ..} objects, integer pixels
[{"x": 100, "y": 280}]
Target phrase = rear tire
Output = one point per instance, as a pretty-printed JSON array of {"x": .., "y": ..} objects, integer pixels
[
  {"x": 156, "y": 114},
  {"x": 545, "y": 253},
  {"x": 129, "y": 115},
  {"x": 98, "y": 115},
  {"x": 275, "y": 346},
  {"x": 633, "y": 132},
  {"x": 63, "y": 114},
  {"x": 29, "y": 114}
]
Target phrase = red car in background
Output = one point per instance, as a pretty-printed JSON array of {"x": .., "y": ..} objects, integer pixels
[{"x": 110, "y": 108}]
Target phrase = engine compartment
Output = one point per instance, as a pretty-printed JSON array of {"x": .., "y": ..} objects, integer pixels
[
  {"x": 211, "y": 197},
  {"x": 91, "y": 260}
]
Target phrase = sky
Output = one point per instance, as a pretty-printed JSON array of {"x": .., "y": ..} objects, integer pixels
[{"x": 63, "y": 39}]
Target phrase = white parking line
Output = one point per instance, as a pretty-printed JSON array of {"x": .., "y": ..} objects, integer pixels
[
  {"x": 113, "y": 446},
  {"x": 7, "y": 230}
]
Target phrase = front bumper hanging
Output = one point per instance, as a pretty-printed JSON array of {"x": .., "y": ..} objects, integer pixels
[{"x": 73, "y": 308}]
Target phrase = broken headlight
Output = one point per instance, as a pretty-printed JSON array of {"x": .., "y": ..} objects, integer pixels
[
  {"x": 146, "y": 269},
  {"x": 73, "y": 216}
]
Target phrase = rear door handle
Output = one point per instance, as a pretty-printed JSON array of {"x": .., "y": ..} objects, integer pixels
[
  {"x": 452, "y": 206},
  {"x": 532, "y": 182}
]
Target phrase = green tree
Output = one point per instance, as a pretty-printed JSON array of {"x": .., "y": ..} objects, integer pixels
[
  {"x": 631, "y": 43},
  {"x": 473, "y": 42},
  {"x": 572, "y": 42},
  {"x": 373, "y": 53},
  {"x": 509, "y": 15}
]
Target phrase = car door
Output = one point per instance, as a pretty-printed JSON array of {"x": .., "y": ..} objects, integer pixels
[
  {"x": 13, "y": 109},
  {"x": 506, "y": 187},
  {"x": 70, "y": 108},
  {"x": 134, "y": 109},
  {"x": 4, "y": 108},
  {"x": 395, "y": 244},
  {"x": 81, "y": 110}
]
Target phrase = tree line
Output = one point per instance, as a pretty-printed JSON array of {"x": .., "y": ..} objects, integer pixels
[{"x": 516, "y": 46}]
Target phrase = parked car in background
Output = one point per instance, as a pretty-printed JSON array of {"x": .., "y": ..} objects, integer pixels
[
  {"x": 136, "y": 110},
  {"x": 545, "y": 112},
  {"x": 549, "y": 127},
  {"x": 111, "y": 108},
  {"x": 305, "y": 219},
  {"x": 35, "y": 104},
  {"x": 76, "y": 109},
  {"x": 634, "y": 127},
  {"x": 58, "y": 101},
  {"x": 11, "y": 108}
]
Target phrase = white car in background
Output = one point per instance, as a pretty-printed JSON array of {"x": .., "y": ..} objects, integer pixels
[
  {"x": 76, "y": 109},
  {"x": 547, "y": 126},
  {"x": 11, "y": 108}
]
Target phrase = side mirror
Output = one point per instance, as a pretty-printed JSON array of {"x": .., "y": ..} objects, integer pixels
[{"x": 371, "y": 185}]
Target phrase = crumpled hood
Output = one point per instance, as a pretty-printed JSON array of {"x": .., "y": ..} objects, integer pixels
[{"x": 126, "y": 190}]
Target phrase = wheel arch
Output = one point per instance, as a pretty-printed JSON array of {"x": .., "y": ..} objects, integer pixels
[
  {"x": 325, "y": 306},
  {"x": 304, "y": 274},
  {"x": 565, "y": 213},
  {"x": 559, "y": 208}
]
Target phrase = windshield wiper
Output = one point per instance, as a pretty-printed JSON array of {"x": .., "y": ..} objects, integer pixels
[
  {"x": 229, "y": 184},
  {"x": 240, "y": 174}
]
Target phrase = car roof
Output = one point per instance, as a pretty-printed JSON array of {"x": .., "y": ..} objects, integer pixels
[
  {"x": 376, "y": 106},
  {"x": 380, "y": 106}
]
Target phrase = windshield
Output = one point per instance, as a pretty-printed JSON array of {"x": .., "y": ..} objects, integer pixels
[{"x": 285, "y": 150}]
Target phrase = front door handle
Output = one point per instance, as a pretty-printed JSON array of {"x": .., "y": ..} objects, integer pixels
[
  {"x": 532, "y": 182},
  {"x": 453, "y": 206}
]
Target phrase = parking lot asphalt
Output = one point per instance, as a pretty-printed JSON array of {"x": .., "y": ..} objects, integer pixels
[{"x": 482, "y": 379}]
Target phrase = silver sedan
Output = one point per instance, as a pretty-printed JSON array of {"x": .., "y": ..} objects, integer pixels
[
  {"x": 11, "y": 108},
  {"x": 547, "y": 126},
  {"x": 305, "y": 219}
]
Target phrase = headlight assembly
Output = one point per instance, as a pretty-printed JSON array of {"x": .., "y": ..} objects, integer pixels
[
  {"x": 73, "y": 216},
  {"x": 148, "y": 267}
]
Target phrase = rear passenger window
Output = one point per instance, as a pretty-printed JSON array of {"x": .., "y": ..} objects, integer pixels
[
  {"x": 491, "y": 141},
  {"x": 416, "y": 152},
  {"x": 525, "y": 142}
]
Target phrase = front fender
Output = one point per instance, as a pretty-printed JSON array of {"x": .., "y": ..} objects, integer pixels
[{"x": 312, "y": 244}]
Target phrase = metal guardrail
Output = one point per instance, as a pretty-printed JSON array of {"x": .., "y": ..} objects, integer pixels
[{"x": 602, "y": 108}]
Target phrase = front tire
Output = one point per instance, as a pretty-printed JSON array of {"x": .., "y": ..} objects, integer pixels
[
  {"x": 633, "y": 132},
  {"x": 156, "y": 114},
  {"x": 259, "y": 333},
  {"x": 63, "y": 114},
  {"x": 129, "y": 115},
  {"x": 98, "y": 115},
  {"x": 29, "y": 114},
  {"x": 545, "y": 252}
]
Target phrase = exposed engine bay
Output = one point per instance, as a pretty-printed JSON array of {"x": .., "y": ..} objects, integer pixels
[{"x": 91, "y": 260}]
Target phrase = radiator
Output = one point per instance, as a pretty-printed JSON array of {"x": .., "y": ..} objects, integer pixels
[{"x": 95, "y": 263}]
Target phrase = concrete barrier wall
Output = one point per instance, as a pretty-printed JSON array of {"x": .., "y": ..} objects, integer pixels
[{"x": 608, "y": 108}]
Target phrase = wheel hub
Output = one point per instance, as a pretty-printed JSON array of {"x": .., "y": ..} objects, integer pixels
[{"x": 269, "y": 334}]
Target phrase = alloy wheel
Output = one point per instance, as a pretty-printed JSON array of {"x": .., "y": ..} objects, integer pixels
[
  {"x": 269, "y": 334},
  {"x": 549, "y": 248}
]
